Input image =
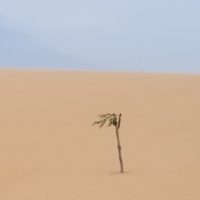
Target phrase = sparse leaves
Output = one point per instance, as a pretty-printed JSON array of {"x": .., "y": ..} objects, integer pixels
[{"x": 110, "y": 118}]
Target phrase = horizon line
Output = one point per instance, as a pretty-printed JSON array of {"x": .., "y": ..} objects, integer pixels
[{"x": 44, "y": 69}]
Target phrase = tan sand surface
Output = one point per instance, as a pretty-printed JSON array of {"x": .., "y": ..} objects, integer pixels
[{"x": 50, "y": 151}]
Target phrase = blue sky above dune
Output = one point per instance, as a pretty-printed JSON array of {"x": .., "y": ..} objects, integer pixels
[
  {"x": 101, "y": 35},
  {"x": 18, "y": 50}
]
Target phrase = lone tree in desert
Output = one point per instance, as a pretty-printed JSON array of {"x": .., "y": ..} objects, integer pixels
[{"x": 113, "y": 120}]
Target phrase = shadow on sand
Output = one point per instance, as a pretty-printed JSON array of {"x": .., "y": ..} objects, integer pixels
[{"x": 115, "y": 173}]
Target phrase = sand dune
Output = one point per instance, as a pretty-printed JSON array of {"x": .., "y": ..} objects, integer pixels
[{"x": 49, "y": 150}]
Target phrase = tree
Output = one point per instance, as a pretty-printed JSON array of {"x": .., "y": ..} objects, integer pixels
[{"x": 113, "y": 120}]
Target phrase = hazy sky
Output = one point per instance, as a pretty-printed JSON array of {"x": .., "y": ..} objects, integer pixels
[{"x": 143, "y": 35}]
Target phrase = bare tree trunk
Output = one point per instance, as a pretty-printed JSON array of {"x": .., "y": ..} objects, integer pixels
[{"x": 119, "y": 145}]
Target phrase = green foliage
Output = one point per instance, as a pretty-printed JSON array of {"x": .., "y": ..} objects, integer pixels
[{"x": 110, "y": 118}]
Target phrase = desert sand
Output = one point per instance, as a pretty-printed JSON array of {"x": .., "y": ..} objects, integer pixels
[{"x": 50, "y": 151}]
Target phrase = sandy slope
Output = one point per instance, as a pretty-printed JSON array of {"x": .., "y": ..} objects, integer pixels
[{"x": 50, "y": 151}]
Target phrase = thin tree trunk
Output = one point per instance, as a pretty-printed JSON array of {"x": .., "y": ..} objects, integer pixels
[{"x": 119, "y": 146}]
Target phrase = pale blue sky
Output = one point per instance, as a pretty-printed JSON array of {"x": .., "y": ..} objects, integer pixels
[{"x": 143, "y": 35}]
